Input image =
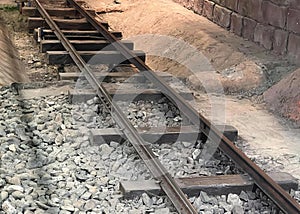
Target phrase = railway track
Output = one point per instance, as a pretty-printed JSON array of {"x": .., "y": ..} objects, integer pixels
[{"x": 64, "y": 40}]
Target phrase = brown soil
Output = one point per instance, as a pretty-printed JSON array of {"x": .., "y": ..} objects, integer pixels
[
  {"x": 284, "y": 97},
  {"x": 240, "y": 66},
  {"x": 226, "y": 52},
  {"x": 11, "y": 67},
  {"x": 32, "y": 62}
]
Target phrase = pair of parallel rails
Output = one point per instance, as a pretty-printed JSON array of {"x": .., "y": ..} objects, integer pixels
[{"x": 167, "y": 183}]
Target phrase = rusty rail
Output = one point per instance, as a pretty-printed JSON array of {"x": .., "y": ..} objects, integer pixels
[{"x": 167, "y": 183}]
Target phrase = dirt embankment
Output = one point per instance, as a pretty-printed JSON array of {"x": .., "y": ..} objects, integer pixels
[
  {"x": 12, "y": 69},
  {"x": 284, "y": 97},
  {"x": 239, "y": 65},
  {"x": 225, "y": 52}
]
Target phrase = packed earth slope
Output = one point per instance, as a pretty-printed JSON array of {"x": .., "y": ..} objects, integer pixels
[
  {"x": 11, "y": 67},
  {"x": 240, "y": 66},
  {"x": 147, "y": 21},
  {"x": 284, "y": 97}
]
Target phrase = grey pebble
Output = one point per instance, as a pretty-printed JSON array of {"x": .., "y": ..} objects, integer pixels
[
  {"x": 2, "y": 182},
  {"x": 147, "y": 200},
  {"x": 90, "y": 205},
  {"x": 204, "y": 197},
  {"x": 12, "y": 188},
  {"x": 244, "y": 196},
  {"x": 12, "y": 148},
  {"x": 237, "y": 209},
  {"x": 14, "y": 180},
  {"x": 68, "y": 207},
  {"x": 162, "y": 211},
  {"x": 8, "y": 208},
  {"x": 3, "y": 196},
  {"x": 18, "y": 195},
  {"x": 233, "y": 199},
  {"x": 87, "y": 195}
]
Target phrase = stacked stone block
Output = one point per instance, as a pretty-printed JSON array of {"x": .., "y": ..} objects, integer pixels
[{"x": 274, "y": 24}]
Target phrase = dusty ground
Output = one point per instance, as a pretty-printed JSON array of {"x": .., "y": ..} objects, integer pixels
[
  {"x": 241, "y": 66},
  {"x": 7, "y": 2},
  {"x": 209, "y": 56},
  {"x": 29, "y": 58},
  {"x": 225, "y": 52},
  {"x": 10, "y": 60},
  {"x": 266, "y": 135}
]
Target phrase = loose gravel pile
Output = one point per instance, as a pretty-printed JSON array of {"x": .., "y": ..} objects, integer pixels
[
  {"x": 48, "y": 164},
  {"x": 152, "y": 114},
  {"x": 185, "y": 159},
  {"x": 246, "y": 202}
]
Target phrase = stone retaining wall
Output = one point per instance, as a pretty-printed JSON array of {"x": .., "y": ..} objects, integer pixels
[{"x": 274, "y": 24}]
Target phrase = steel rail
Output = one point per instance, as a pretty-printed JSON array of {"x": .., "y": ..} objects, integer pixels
[
  {"x": 283, "y": 200},
  {"x": 167, "y": 183}
]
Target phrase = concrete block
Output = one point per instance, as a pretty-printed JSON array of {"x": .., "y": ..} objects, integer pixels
[
  {"x": 198, "y": 6},
  {"x": 294, "y": 48},
  {"x": 232, "y": 4},
  {"x": 294, "y": 4},
  {"x": 222, "y": 16},
  {"x": 251, "y": 9},
  {"x": 215, "y": 185},
  {"x": 208, "y": 9},
  {"x": 236, "y": 25},
  {"x": 264, "y": 34},
  {"x": 282, "y": 2},
  {"x": 280, "y": 41},
  {"x": 273, "y": 14},
  {"x": 248, "y": 28},
  {"x": 293, "y": 20},
  {"x": 219, "y": 2}
]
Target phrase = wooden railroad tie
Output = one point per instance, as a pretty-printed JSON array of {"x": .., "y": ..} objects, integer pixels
[
  {"x": 92, "y": 57},
  {"x": 74, "y": 35},
  {"x": 82, "y": 45},
  {"x": 70, "y": 13},
  {"x": 83, "y": 95},
  {"x": 158, "y": 135},
  {"x": 213, "y": 185},
  {"x": 64, "y": 24},
  {"x": 107, "y": 76}
]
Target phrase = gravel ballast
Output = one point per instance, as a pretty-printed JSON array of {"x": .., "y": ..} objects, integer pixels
[{"x": 48, "y": 164}]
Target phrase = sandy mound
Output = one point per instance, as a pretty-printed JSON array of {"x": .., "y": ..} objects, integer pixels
[
  {"x": 284, "y": 97},
  {"x": 222, "y": 50}
]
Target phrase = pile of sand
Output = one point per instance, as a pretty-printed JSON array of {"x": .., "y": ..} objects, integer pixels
[{"x": 284, "y": 97}]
